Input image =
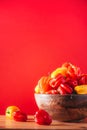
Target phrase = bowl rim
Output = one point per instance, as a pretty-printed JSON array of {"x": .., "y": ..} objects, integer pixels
[{"x": 60, "y": 94}]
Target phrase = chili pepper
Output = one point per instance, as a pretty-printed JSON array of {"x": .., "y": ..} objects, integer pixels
[
  {"x": 10, "y": 110},
  {"x": 65, "y": 89},
  {"x": 19, "y": 116},
  {"x": 55, "y": 82},
  {"x": 42, "y": 117}
]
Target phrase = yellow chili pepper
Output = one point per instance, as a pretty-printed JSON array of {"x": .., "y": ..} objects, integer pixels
[
  {"x": 10, "y": 110},
  {"x": 81, "y": 89}
]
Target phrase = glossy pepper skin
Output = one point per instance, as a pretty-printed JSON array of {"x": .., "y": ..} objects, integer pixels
[
  {"x": 19, "y": 116},
  {"x": 63, "y": 80},
  {"x": 42, "y": 117},
  {"x": 64, "y": 89},
  {"x": 10, "y": 110},
  {"x": 55, "y": 82},
  {"x": 43, "y": 85}
]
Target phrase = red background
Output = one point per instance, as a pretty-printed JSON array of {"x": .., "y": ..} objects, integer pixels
[{"x": 36, "y": 37}]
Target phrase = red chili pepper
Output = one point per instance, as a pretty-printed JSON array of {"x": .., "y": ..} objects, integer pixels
[
  {"x": 65, "y": 89},
  {"x": 55, "y": 82},
  {"x": 83, "y": 79},
  {"x": 72, "y": 70},
  {"x": 66, "y": 64},
  {"x": 61, "y": 90},
  {"x": 42, "y": 117},
  {"x": 72, "y": 82},
  {"x": 19, "y": 116}
]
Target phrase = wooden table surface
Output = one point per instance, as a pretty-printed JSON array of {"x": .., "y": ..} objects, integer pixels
[{"x": 6, "y": 124}]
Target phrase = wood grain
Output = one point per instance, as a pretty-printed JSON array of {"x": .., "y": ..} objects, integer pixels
[{"x": 6, "y": 124}]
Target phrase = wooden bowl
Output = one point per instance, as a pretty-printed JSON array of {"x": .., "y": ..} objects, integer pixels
[{"x": 71, "y": 107}]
